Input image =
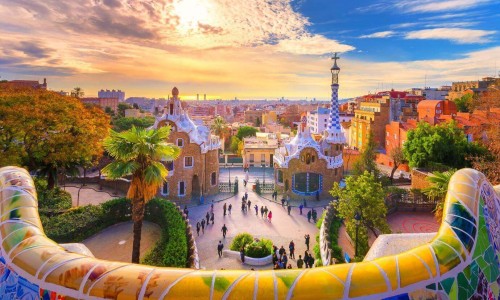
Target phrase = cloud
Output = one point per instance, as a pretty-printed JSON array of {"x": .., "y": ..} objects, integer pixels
[
  {"x": 422, "y": 6},
  {"x": 457, "y": 35},
  {"x": 381, "y": 34},
  {"x": 312, "y": 45}
]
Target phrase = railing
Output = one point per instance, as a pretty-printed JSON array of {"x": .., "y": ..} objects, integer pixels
[
  {"x": 224, "y": 187},
  {"x": 410, "y": 201},
  {"x": 267, "y": 188}
]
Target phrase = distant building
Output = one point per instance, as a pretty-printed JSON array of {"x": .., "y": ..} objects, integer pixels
[
  {"x": 196, "y": 171},
  {"x": 112, "y": 94},
  {"x": 136, "y": 113},
  {"x": 269, "y": 117},
  {"x": 259, "y": 150},
  {"x": 317, "y": 120},
  {"x": 34, "y": 84},
  {"x": 254, "y": 116},
  {"x": 369, "y": 117},
  {"x": 430, "y": 111},
  {"x": 460, "y": 88},
  {"x": 102, "y": 102}
]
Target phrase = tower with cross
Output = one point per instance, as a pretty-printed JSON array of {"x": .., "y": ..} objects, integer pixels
[{"x": 333, "y": 133}]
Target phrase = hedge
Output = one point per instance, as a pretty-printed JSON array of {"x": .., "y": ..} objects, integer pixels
[
  {"x": 333, "y": 233},
  {"x": 55, "y": 199},
  {"x": 259, "y": 249},
  {"x": 241, "y": 240},
  {"x": 77, "y": 224}
]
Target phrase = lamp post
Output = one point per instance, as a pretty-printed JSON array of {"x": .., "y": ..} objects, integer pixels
[
  {"x": 357, "y": 218},
  {"x": 229, "y": 175},
  {"x": 263, "y": 173}
]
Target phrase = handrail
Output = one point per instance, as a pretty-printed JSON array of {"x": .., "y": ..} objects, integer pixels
[{"x": 467, "y": 235}]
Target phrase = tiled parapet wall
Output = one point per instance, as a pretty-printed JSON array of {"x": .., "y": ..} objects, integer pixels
[{"x": 461, "y": 262}]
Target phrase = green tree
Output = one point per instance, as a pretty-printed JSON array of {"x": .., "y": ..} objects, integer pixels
[
  {"x": 438, "y": 189},
  {"x": 364, "y": 196},
  {"x": 246, "y": 131},
  {"x": 398, "y": 158},
  {"x": 444, "y": 144},
  {"x": 122, "y": 107},
  {"x": 77, "y": 92},
  {"x": 46, "y": 132},
  {"x": 122, "y": 124},
  {"x": 235, "y": 141},
  {"x": 464, "y": 103},
  {"x": 109, "y": 111},
  {"x": 139, "y": 152},
  {"x": 367, "y": 159}
]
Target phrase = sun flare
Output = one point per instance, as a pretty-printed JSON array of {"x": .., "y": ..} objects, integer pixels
[{"x": 192, "y": 13}]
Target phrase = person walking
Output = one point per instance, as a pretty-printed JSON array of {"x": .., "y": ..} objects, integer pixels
[
  {"x": 220, "y": 246},
  {"x": 300, "y": 262},
  {"x": 270, "y": 216},
  {"x": 224, "y": 208},
  {"x": 283, "y": 202},
  {"x": 186, "y": 211},
  {"x": 212, "y": 218},
  {"x": 314, "y": 215},
  {"x": 198, "y": 228},
  {"x": 256, "y": 210},
  {"x": 224, "y": 231},
  {"x": 309, "y": 216},
  {"x": 212, "y": 207},
  {"x": 289, "y": 208},
  {"x": 311, "y": 261},
  {"x": 242, "y": 254},
  {"x": 208, "y": 217},
  {"x": 284, "y": 259},
  {"x": 229, "y": 208},
  {"x": 265, "y": 211},
  {"x": 262, "y": 211},
  {"x": 249, "y": 203},
  {"x": 307, "y": 238},
  {"x": 300, "y": 208},
  {"x": 246, "y": 196},
  {"x": 203, "y": 226},
  {"x": 306, "y": 259},
  {"x": 291, "y": 247}
]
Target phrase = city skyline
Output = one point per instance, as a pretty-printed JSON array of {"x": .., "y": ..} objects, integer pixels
[{"x": 273, "y": 49}]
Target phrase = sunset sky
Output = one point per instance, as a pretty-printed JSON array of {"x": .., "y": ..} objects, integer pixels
[{"x": 248, "y": 48}]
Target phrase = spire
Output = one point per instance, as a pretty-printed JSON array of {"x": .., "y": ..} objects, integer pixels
[{"x": 334, "y": 133}]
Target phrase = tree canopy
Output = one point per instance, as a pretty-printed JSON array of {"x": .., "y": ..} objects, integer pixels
[
  {"x": 365, "y": 196},
  {"x": 368, "y": 158},
  {"x": 126, "y": 123},
  {"x": 45, "y": 131},
  {"x": 464, "y": 103},
  {"x": 444, "y": 144},
  {"x": 246, "y": 131}
]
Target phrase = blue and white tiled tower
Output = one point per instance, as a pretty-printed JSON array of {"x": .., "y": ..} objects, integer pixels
[{"x": 333, "y": 132}]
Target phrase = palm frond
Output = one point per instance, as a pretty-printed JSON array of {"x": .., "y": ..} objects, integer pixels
[{"x": 118, "y": 169}]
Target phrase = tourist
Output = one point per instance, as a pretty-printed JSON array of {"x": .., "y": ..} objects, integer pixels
[
  {"x": 275, "y": 258},
  {"x": 281, "y": 251},
  {"x": 311, "y": 261},
  {"x": 300, "y": 208},
  {"x": 289, "y": 209},
  {"x": 300, "y": 262},
  {"x": 307, "y": 238},
  {"x": 244, "y": 183},
  {"x": 314, "y": 214},
  {"x": 243, "y": 206},
  {"x": 224, "y": 208},
  {"x": 203, "y": 226},
  {"x": 256, "y": 210},
  {"x": 305, "y": 202},
  {"x": 212, "y": 218},
  {"x": 284, "y": 259},
  {"x": 219, "y": 248},
  {"x": 246, "y": 196},
  {"x": 291, "y": 247},
  {"x": 270, "y": 216},
  {"x": 198, "y": 228},
  {"x": 306, "y": 258},
  {"x": 229, "y": 208},
  {"x": 262, "y": 211},
  {"x": 317, "y": 195},
  {"x": 224, "y": 231},
  {"x": 275, "y": 249},
  {"x": 186, "y": 211},
  {"x": 283, "y": 202},
  {"x": 212, "y": 207},
  {"x": 249, "y": 203},
  {"x": 309, "y": 216},
  {"x": 265, "y": 211},
  {"x": 242, "y": 254},
  {"x": 208, "y": 217}
]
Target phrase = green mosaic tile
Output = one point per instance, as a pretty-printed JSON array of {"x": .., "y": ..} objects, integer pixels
[
  {"x": 454, "y": 291},
  {"x": 431, "y": 286},
  {"x": 481, "y": 262},
  {"x": 474, "y": 273},
  {"x": 447, "y": 284},
  {"x": 465, "y": 290}
]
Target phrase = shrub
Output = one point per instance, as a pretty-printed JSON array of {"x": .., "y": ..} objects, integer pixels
[
  {"x": 56, "y": 199},
  {"x": 241, "y": 240},
  {"x": 259, "y": 249}
]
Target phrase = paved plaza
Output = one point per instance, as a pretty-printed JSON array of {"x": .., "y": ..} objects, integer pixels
[{"x": 114, "y": 242}]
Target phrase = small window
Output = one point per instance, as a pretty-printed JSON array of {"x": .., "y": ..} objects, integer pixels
[
  {"x": 169, "y": 165},
  {"x": 313, "y": 158},
  {"x": 308, "y": 158},
  {"x": 188, "y": 162},
  {"x": 164, "y": 189},
  {"x": 180, "y": 143},
  {"x": 263, "y": 157},
  {"x": 213, "y": 179},
  {"x": 182, "y": 188}
]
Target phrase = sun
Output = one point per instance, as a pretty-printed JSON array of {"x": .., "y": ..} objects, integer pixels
[{"x": 193, "y": 12}]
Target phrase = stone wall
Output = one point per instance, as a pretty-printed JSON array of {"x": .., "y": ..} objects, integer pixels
[{"x": 418, "y": 179}]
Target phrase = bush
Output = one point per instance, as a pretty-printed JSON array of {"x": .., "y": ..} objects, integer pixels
[
  {"x": 241, "y": 240},
  {"x": 172, "y": 248},
  {"x": 333, "y": 232},
  {"x": 56, "y": 199},
  {"x": 259, "y": 249}
]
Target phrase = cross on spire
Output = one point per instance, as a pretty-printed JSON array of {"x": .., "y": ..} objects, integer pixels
[{"x": 335, "y": 57}]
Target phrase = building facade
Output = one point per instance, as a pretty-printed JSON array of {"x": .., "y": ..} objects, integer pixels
[
  {"x": 101, "y": 102},
  {"x": 259, "y": 150},
  {"x": 306, "y": 167},
  {"x": 196, "y": 171},
  {"x": 370, "y": 117},
  {"x": 119, "y": 94},
  {"x": 430, "y": 111}
]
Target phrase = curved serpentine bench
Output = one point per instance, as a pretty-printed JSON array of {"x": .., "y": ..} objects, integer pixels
[{"x": 459, "y": 263}]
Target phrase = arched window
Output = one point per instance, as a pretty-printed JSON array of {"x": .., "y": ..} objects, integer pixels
[{"x": 308, "y": 158}]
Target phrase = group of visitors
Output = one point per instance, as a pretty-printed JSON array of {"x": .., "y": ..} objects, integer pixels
[
  {"x": 312, "y": 214},
  {"x": 281, "y": 260},
  {"x": 201, "y": 224}
]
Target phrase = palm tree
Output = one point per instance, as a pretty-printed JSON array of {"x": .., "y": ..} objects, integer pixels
[
  {"x": 219, "y": 126},
  {"x": 139, "y": 152},
  {"x": 77, "y": 92},
  {"x": 438, "y": 189}
]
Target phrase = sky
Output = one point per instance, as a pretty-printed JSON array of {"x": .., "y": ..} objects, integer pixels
[{"x": 250, "y": 49}]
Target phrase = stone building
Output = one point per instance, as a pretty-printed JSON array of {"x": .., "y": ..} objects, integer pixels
[
  {"x": 370, "y": 117},
  {"x": 196, "y": 171},
  {"x": 306, "y": 167},
  {"x": 259, "y": 150}
]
